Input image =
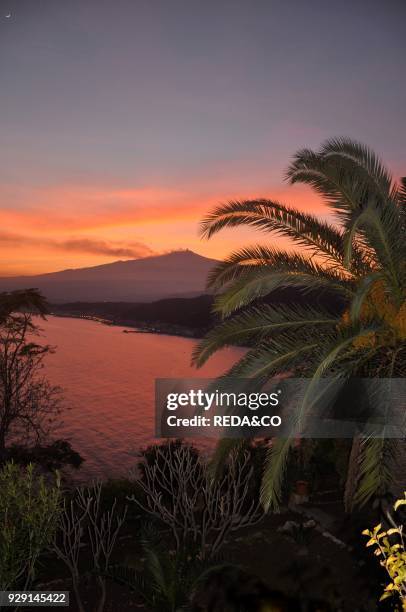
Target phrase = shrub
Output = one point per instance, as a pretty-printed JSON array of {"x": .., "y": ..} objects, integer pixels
[
  {"x": 167, "y": 579},
  {"x": 84, "y": 522},
  {"x": 53, "y": 456},
  {"x": 201, "y": 510},
  {"x": 390, "y": 547},
  {"x": 29, "y": 511}
]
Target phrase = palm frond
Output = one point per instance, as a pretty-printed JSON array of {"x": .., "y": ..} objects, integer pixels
[
  {"x": 270, "y": 358},
  {"x": 342, "y": 346},
  {"x": 243, "y": 261},
  {"x": 274, "y": 471},
  {"x": 348, "y": 174},
  {"x": 134, "y": 580},
  {"x": 277, "y": 458},
  {"x": 401, "y": 192},
  {"x": 381, "y": 230},
  {"x": 156, "y": 567},
  {"x": 399, "y": 196},
  {"x": 259, "y": 281},
  {"x": 330, "y": 181},
  {"x": 361, "y": 293},
  {"x": 368, "y": 247},
  {"x": 258, "y": 323},
  {"x": 376, "y": 468},
  {"x": 322, "y": 350},
  {"x": 363, "y": 160},
  {"x": 223, "y": 449},
  {"x": 304, "y": 229}
]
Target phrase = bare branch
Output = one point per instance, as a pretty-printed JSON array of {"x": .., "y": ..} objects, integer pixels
[{"x": 180, "y": 491}]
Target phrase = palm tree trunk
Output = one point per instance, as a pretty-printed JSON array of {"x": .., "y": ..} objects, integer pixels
[
  {"x": 2, "y": 444},
  {"x": 352, "y": 474},
  {"x": 399, "y": 469}
]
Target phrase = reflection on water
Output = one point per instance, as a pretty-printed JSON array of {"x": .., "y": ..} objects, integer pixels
[{"x": 108, "y": 381}]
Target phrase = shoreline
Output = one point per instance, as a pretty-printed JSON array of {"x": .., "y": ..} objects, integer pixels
[{"x": 160, "y": 328}]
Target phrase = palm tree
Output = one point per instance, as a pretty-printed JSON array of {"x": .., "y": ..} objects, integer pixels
[{"x": 359, "y": 258}]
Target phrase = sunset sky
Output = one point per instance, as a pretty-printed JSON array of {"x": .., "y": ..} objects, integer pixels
[{"x": 123, "y": 121}]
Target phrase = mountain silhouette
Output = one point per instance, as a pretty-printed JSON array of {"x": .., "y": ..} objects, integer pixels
[{"x": 176, "y": 274}]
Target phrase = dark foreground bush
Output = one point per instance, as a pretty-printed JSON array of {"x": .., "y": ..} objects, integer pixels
[{"x": 51, "y": 457}]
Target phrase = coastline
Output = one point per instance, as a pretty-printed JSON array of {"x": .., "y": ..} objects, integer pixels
[{"x": 138, "y": 327}]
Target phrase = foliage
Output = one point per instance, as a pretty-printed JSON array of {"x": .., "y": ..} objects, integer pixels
[
  {"x": 390, "y": 548},
  {"x": 163, "y": 454},
  {"x": 83, "y": 521},
  {"x": 117, "y": 491},
  {"x": 29, "y": 511},
  {"x": 360, "y": 259},
  {"x": 53, "y": 456},
  {"x": 28, "y": 300},
  {"x": 167, "y": 579},
  {"x": 28, "y": 402},
  {"x": 177, "y": 314},
  {"x": 200, "y": 510}
]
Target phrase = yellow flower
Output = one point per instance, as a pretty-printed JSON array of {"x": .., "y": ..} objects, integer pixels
[
  {"x": 365, "y": 341},
  {"x": 378, "y": 305}
]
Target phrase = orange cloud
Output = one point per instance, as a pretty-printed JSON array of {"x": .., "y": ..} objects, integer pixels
[
  {"x": 69, "y": 208},
  {"x": 86, "y": 225},
  {"x": 79, "y": 245}
]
